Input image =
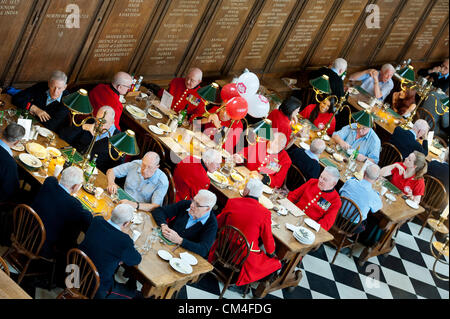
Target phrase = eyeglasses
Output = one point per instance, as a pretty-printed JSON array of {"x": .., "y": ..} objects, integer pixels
[
  {"x": 127, "y": 86},
  {"x": 197, "y": 205}
]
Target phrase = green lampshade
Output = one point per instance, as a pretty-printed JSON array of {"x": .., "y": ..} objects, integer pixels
[
  {"x": 321, "y": 84},
  {"x": 263, "y": 129},
  {"x": 210, "y": 93},
  {"x": 407, "y": 74},
  {"x": 78, "y": 102},
  {"x": 444, "y": 102},
  {"x": 363, "y": 118},
  {"x": 125, "y": 142}
]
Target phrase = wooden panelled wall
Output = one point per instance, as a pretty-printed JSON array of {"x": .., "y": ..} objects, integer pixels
[{"x": 160, "y": 39}]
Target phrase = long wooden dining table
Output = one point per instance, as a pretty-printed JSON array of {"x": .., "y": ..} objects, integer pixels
[{"x": 9, "y": 289}]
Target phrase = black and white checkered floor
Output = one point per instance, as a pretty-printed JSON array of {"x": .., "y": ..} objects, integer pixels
[{"x": 406, "y": 273}]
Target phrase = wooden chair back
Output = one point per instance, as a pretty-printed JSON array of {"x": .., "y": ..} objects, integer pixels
[
  {"x": 171, "y": 191},
  {"x": 89, "y": 278},
  {"x": 426, "y": 115},
  {"x": 389, "y": 155},
  {"x": 349, "y": 217},
  {"x": 4, "y": 266},
  {"x": 294, "y": 178},
  {"x": 232, "y": 248},
  {"x": 435, "y": 197},
  {"x": 442, "y": 141}
]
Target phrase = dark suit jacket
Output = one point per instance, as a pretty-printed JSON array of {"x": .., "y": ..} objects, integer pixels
[
  {"x": 107, "y": 247},
  {"x": 336, "y": 83},
  {"x": 37, "y": 95},
  {"x": 437, "y": 83},
  {"x": 309, "y": 167},
  {"x": 406, "y": 144},
  {"x": 63, "y": 217},
  {"x": 440, "y": 171},
  {"x": 198, "y": 238},
  {"x": 9, "y": 177},
  {"x": 80, "y": 139}
]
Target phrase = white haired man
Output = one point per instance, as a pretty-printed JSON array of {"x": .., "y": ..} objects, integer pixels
[
  {"x": 335, "y": 72},
  {"x": 190, "y": 174},
  {"x": 318, "y": 198},
  {"x": 379, "y": 84},
  {"x": 62, "y": 214},
  {"x": 43, "y": 100},
  {"x": 308, "y": 160},
  {"x": 108, "y": 254},
  {"x": 254, "y": 221},
  {"x": 81, "y": 137},
  {"x": 190, "y": 223},
  {"x": 145, "y": 182},
  {"x": 109, "y": 94},
  {"x": 407, "y": 141}
]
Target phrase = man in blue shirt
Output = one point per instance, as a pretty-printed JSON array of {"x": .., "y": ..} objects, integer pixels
[
  {"x": 350, "y": 137},
  {"x": 379, "y": 84},
  {"x": 362, "y": 194},
  {"x": 145, "y": 182}
]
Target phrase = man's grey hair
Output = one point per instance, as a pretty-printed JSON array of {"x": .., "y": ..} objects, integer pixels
[
  {"x": 58, "y": 76},
  {"x": 255, "y": 187},
  {"x": 153, "y": 155},
  {"x": 13, "y": 133},
  {"x": 421, "y": 124},
  {"x": 387, "y": 67},
  {"x": 372, "y": 172},
  {"x": 195, "y": 69},
  {"x": 206, "y": 198},
  {"x": 211, "y": 156},
  {"x": 71, "y": 176},
  {"x": 120, "y": 78},
  {"x": 317, "y": 146},
  {"x": 333, "y": 171},
  {"x": 340, "y": 64},
  {"x": 122, "y": 214},
  {"x": 110, "y": 113}
]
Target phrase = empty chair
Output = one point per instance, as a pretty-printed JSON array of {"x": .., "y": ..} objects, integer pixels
[
  {"x": 389, "y": 155},
  {"x": 434, "y": 200},
  {"x": 230, "y": 254},
  {"x": 294, "y": 178},
  {"x": 348, "y": 221},
  {"x": 86, "y": 278}
]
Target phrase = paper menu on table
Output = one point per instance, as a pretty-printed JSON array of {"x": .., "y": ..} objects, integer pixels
[
  {"x": 26, "y": 123},
  {"x": 430, "y": 137},
  {"x": 166, "y": 100},
  {"x": 291, "y": 207}
]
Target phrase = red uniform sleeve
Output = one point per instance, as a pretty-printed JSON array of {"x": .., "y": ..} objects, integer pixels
[
  {"x": 266, "y": 234},
  {"x": 295, "y": 195},
  {"x": 307, "y": 111},
  {"x": 277, "y": 179},
  {"x": 328, "y": 219}
]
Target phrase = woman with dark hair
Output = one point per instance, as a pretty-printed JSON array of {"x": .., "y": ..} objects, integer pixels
[
  {"x": 404, "y": 102},
  {"x": 320, "y": 114},
  {"x": 282, "y": 117}
]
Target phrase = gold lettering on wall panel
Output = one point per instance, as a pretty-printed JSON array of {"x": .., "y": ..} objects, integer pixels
[
  {"x": 119, "y": 39},
  {"x": 339, "y": 31},
  {"x": 440, "y": 52},
  {"x": 428, "y": 31},
  {"x": 263, "y": 35},
  {"x": 172, "y": 39},
  {"x": 58, "y": 39},
  {"x": 400, "y": 33},
  {"x": 303, "y": 34},
  {"x": 221, "y": 34},
  {"x": 365, "y": 43}
]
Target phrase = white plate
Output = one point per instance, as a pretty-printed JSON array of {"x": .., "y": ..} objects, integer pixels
[
  {"x": 136, "y": 112},
  {"x": 304, "y": 235},
  {"x": 164, "y": 127},
  {"x": 338, "y": 157},
  {"x": 312, "y": 223},
  {"x": 155, "y": 114},
  {"x": 267, "y": 189},
  {"x": 54, "y": 151},
  {"x": 390, "y": 197},
  {"x": 164, "y": 254},
  {"x": 156, "y": 130},
  {"x": 237, "y": 177},
  {"x": 326, "y": 138},
  {"x": 180, "y": 266},
  {"x": 364, "y": 105},
  {"x": 30, "y": 160},
  {"x": 282, "y": 211},
  {"x": 412, "y": 204},
  {"x": 263, "y": 200},
  {"x": 188, "y": 258},
  {"x": 137, "y": 219},
  {"x": 304, "y": 145},
  {"x": 218, "y": 178},
  {"x": 19, "y": 147},
  {"x": 44, "y": 132}
]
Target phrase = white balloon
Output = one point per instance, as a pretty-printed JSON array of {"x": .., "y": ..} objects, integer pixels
[
  {"x": 248, "y": 84},
  {"x": 258, "y": 105}
]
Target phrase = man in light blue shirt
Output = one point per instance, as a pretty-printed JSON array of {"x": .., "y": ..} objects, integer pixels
[
  {"x": 378, "y": 84},
  {"x": 362, "y": 193},
  {"x": 145, "y": 182},
  {"x": 350, "y": 137}
]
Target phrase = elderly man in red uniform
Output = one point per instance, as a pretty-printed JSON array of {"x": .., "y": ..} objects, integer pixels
[
  {"x": 109, "y": 94},
  {"x": 269, "y": 159},
  {"x": 254, "y": 221},
  {"x": 318, "y": 199},
  {"x": 190, "y": 174}
]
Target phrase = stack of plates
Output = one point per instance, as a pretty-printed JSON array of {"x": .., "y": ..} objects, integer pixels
[
  {"x": 180, "y": 266},
  {"x": 136, "y": 112},
  {"x": 304, "y": 236}
]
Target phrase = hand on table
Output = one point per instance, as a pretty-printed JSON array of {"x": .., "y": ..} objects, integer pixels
[
  {"x": 112, "y": 188},
  {"x": 41, "y": 114},
  {"x": 171, "y": 235},
  {"x": 345, "y": 145}
]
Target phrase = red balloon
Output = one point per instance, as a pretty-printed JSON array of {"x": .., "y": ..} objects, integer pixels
[
  {"x": 237, "y": 108},
  {"x": 229, "y": 91}
]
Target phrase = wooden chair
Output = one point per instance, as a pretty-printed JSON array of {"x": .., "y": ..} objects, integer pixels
[
  {"x": 231, "y": 252},
  {"x": 426, "y": 115},
  {"x": 171, "y": 191},
  {"x": 294, "y": 178},
  {"x": 89, "y": 278},
  {"x": 442, "y": 141},
  {"x": 27, "y": 239},
  {"x": 434, "y": 200},
  {"x": 4, "y": 266},
  {"x": 389, "y": 155},
  {"x": 344, "y": 227}
]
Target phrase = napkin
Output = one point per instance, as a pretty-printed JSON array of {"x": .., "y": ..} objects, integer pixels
[
  {"x": 26, "y": 123},
  {"x": 136, "y": 235},
  {"x": 313, "y": 224},
  {"x": 291, "y": 227},
  {"x": 294, "y": 210}
]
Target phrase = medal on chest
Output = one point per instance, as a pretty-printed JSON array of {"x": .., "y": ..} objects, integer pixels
[{"x": 270, "y": 165}]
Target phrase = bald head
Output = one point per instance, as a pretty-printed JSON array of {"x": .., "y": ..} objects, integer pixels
[
  {"x": 421, "y": 128},
  {"x": 122, "y": 82},
  {"x": 372, "y": 173},
  {"x": 317, "y": 146},
  {"x": 109, "y": 114},
  {"x": 150, "y": 163},
  {"x": 277, "y": 144},
  {"x": 193, "y": 78}
]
